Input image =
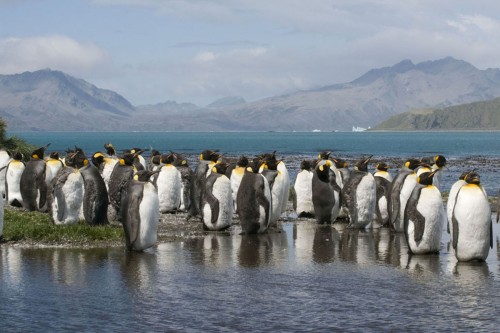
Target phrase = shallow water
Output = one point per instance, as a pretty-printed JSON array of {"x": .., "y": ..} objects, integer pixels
[{"x": 306, "y": 278}]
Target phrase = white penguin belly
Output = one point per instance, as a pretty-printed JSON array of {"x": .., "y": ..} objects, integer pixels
[
  {"x": 303, "y": 192},
  {"x": 13, "y": 181},
  {"x": 382, "y": 207},
  {"x": 73, "y": 195},
  {"x": 286, "y": 185},
  {"x": 264, "y": 223},
  {"x": 278, "y": 194},
  {"x": 430, "y": 205},
  {"x": 365, "y": 201},
  {"x": 222, "y": 191},
  {"x": 473, "y": 215},
  {"x": 236, "y": 177},
  {"x": 169, "y": 188},
  {"x": 108, "y": 169},
  {"x": 452, "y": 196},
  {"x": 149, "y": 212}
]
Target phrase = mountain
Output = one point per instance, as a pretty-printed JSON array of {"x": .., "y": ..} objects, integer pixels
[
  {"x": 49, "y": 100},
  {"x": 52, "y": 100},
  {"x": 483, "y": 115}
]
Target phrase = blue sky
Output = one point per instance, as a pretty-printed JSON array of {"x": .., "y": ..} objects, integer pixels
[{"x": 201, "y": 50}]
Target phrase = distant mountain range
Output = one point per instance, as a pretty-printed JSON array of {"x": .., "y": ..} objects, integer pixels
[
  {"x": 483, "y": 115},
  {"x": 49, "y": 100}
]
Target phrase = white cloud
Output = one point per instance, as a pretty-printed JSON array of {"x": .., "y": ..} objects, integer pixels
[{"x": 55, "y": 52}]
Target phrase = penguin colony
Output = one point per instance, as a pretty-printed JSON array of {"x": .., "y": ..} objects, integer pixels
[{"x": 134, "y": 191}]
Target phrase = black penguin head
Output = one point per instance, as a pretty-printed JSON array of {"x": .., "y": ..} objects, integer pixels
[
  {"x": 110, "y": 149},
  {"x": 144, "y": 175},
  {"x": 209, "y": 155},
  {"x": 426, "y": 178},
  {"x": 362, "y": 165},
  {"x": 156, "y": 159},
  {"x": 79, "y": 159},
  {"x": 38, "y": 153},
  {"x": 167, "y": 158},
  {"x": 137, "y": 151},
  {"x": 97, "y": 159},
  {"x": 464, "y": 174},
  {"x": 179, "y": 160},
  {"x": 127, "y": 159},
  {"x": 339, "y": 163},
  {"x": 412, "y": 163},
  {"x": 220, "y": 168},
  {"x": 18, "y": 156},
  {"x": 306, "y": 165},
  {"x": 54, "y": 155},
  {"x": 323, "y": 170},
  {"x": 242, "y": 161},
  {"x": 271, "y": 163},
  {"x": 155, "y": 152},
  {"x": 440, "y": 161},
  {"x": 254, "y": 165},
  {"x": 382, "y": 166},
  {"x": 473, "y": 178},
  {"x": 324, "y": 155}
]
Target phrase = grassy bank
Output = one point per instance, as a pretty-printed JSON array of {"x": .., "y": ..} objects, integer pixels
[{"x": 34, "y": 228}]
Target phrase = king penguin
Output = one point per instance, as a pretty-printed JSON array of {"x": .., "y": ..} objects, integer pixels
[
  {"x": 383, "y": 181},
  {"x": 141, "y": 212},
  {"x": 302, "y": 198},
  {"x": 277, "y": 183},
  {"x": 471, "y": 227},
  {"x": 65, "y": 192},
  {"x": 95, "y": 197},
  {"x": 326, "y": 193},
  {"x": 186, "y": 177},
  {"x": 217, "y": 204},
  {"x": 236, "y": 176},
  {"x": 169, "y": 184},
  {"x": 254, "y": 200},
  {"x": 118, "y": 181},
  {"x": 207, "y": 160},
  {"x": 139, "y": 161},
  {"x": 13, "y": 174},
  {"x": 424, "y": 217},
  {"x": 401, "y": 189},
  {"x": 33, "y": 186},
  {"x": 360, "y": 195},
  {"x": 438, "y": 166}
]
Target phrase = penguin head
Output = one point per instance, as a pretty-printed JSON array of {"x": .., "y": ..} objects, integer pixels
[
  {"x": 18, "y": 156},
  {"x": 209, "y": 155},
  {"x": 324, "y": 155},
  {"x": 156, "y": 159},
  {"x": 464, "y": 174},
  {"x": 38, "y": 153},
  {"x": 412, "y": 163},
  {"x": 339, "y": 163},
  {"x": 362, "y": 165},
  {"x": 271, "y": 163},
  {"x": 110, "y": 149},
  {"x": 426, "y": 178},
  {"x": 79, "y": 159},
  {"x": 254, "y": 165},
  {"x": 323, "y": 170},
  {"x": 54, "y": 155},
  {"x": 155, "y": 152},
  {"x": 179, "y": 160},
  {"x": 167, "y": 158},
  {"x": 137, "y": 151},
  {"x": 440, "y": 161},
  {"x": 220, "y": 168},
  {"x": 127, "y": 159},
  {"x": 97, "y": 159},
  {"x": 242, "y": 161},
  {"x": 144, "y": 175},
  {"x": 473, "y": 178},
  {"x": 306, "y": 165},
  {"x": 382, "y": 166}
]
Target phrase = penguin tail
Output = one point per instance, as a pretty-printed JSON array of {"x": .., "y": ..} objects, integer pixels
[{"x": 16, "y": 203}]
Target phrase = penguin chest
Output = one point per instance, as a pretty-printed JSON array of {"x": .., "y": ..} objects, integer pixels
[
  {"x": 149, "y": 213},
  {"x": 406, "y": 189},
  {"x": 472, "y": 217},
  {"x": 286, "y": 185},
  {"x": 452, "y": 196},
  {"x": 303, "y": 191},
  {"x": 109, "y": 165},
  {"x": 430, "y": 206},
  {"x": 278, "y": 196},
  {"x": 72, "y": 191},
  {"x": 223, "y": 208},
  {"x": 365, "y": 201},
  {"x": 53, "y": 167},
  {"x": 236, "y": 176},
  {"x": 13, "y": 179},
  {"x": 169, "y": 188}
]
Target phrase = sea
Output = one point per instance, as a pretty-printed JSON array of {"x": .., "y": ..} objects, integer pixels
[{"x": 306, "y": 278}]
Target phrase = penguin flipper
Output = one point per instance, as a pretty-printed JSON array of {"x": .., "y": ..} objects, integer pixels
[
  {"x": 262, "y": 201},
  {"x": 61, "y": 202},
  {"x": 211, "y": 199},
  {"x": 132, "y": 220},
  {"x": 491, "y": 234}
]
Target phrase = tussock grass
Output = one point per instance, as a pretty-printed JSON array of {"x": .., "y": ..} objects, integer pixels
[{"x": 36, "y": 228}]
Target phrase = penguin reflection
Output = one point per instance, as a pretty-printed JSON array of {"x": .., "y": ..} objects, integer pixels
[
  {"x": 139, "y": 271},
  {"x": 423, "y": 266},
  {"x": 325, "y": 244},
  {"x": 255, "y": 250}
]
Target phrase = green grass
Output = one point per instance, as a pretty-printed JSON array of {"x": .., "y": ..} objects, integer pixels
[{"x": 36, "y": 228}]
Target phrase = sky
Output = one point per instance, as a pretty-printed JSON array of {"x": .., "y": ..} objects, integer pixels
[{"x": 197, "y": 51}]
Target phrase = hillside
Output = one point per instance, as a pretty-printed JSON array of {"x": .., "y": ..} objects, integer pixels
[
  {"x": 49, "y": 100},
  {"x": 483, "y": 115}
]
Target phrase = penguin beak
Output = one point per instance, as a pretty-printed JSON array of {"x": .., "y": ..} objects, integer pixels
[{"x": 368, "y": 159}]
